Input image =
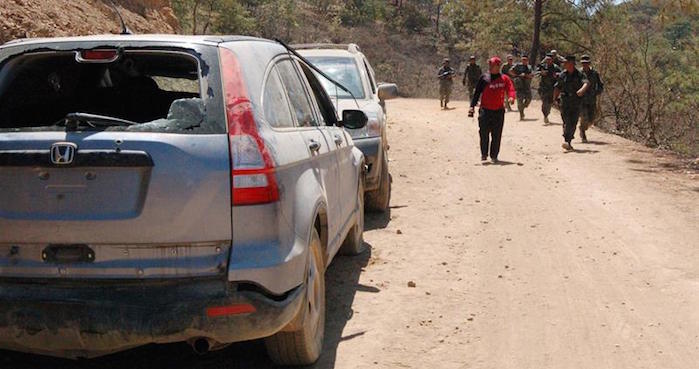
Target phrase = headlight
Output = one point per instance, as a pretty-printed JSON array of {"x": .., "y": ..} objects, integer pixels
[{"x": 373, "y": 125}]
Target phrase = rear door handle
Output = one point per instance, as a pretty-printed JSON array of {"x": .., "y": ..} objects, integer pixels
[
  {"x": 314, "y": 146},
  {"x": 338, "y": 140}
]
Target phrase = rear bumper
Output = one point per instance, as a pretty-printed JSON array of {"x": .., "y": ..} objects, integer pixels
[
  {"x": 71, "y": 320},
  {"x": 373, "y": 155}
]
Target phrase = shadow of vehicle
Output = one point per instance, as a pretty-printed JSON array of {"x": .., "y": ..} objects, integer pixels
[
  {"x": 374, "y": 221},
  {"x": 342, "y": 286},
  {"x": 342, "y": 283}
]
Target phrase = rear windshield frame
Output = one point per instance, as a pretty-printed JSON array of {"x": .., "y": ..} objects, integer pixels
[{"x": 204, "y": 54}]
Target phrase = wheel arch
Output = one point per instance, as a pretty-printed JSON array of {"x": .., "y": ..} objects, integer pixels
[{"x": 320, "y": 224}]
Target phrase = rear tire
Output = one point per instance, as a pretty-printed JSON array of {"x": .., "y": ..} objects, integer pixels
[
  {"x": 354, "y": 242},
  {"x": 379, "y": 200},
  {"x": 304, "y": 346}
]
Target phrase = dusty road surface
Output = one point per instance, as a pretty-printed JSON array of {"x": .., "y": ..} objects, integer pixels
[{"x": 551, "y": 260}]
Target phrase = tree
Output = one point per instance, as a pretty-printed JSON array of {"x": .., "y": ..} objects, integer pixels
[{"x": 536, "y": 42}]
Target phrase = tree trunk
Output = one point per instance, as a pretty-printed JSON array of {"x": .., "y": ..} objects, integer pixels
[
  {"x": 195, "y": 11},
  {"x": 439, "y": 10},
  {"x": 536, "y": 42},
  {"x": 212, "y": 3}
]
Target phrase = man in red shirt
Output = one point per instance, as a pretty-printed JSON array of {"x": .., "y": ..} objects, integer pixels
[{"x": 491, "y": 116}]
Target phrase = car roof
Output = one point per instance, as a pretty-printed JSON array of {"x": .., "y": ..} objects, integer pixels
[
  {"x": 135, "y": 38},
  {"x": 328, "y": 52}
]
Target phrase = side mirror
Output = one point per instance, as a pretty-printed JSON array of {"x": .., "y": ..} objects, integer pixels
[
  {"x": 353, "y": 119},
  {"x": 388, "y": 91}
]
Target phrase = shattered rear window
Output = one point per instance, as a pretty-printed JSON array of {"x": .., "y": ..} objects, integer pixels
[{"x": 155, "y": 90}]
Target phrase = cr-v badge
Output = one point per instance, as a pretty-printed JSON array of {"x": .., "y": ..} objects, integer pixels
[{"x": 63, "y": 153}]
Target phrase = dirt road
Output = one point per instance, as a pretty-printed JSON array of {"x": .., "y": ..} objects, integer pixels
[{"x": 552, "y": 260}]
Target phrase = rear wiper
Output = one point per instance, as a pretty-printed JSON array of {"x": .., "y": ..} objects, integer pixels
[{"x": 73, "y": 120}]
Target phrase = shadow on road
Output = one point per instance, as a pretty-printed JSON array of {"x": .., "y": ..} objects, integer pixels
[
  {"x": 582, "y": 151},
  {"x": 671, "y": 165},
  {"x": 342, "y": 286},
  {"x": 593, "y": 142},
  {"x": 502, "y": 163},
  {"x": 374, "y": 221},
  {"x": 342, "y": 283}
]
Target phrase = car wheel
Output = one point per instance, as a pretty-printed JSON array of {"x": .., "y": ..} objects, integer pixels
[
  {"x": 354, "y": 242},
  {"x": 380, "y": 199},
  {"x": 303, "y": 346}
]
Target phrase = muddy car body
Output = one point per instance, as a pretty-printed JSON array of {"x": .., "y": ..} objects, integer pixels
[{"x": 160, "y": 189}]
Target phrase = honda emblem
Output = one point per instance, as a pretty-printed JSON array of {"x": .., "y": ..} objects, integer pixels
[{"x": 63, "y": 153}]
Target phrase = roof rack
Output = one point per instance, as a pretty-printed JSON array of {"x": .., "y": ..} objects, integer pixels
[{"x": 353, "y": 48}]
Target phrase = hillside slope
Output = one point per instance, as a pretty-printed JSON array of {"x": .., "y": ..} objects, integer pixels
[
  {"x": 409, "y": 59},
  {"x": 40, "y": 18}
]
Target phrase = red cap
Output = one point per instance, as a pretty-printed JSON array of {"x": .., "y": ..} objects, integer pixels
[{"x": 494, "y": 60}]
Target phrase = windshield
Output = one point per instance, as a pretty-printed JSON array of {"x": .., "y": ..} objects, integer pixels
[
  {"x": 343, "y": 70},
  {"x": 158, "y": 90}
]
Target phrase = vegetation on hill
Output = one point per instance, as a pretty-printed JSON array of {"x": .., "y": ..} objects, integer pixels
[{"x": 646, "y": 50}]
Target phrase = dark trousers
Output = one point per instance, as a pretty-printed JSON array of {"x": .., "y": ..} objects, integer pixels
[
  {"x": 490, "y": 123},
  {"x": 570, "y": 114},
  {"x": 588, "y": 114},
  {"x": 546, "y": 101},
  {"x": 471, "y": 90},
  {"x": 524, "y": 98}
]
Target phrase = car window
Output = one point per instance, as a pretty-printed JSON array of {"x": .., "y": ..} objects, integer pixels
[
  {"x": 274, "y": 102},
  {"x": 369, "y": 74},
  {"x": 342, "y": 69},
  {"x": 328, "y": 115},
  {"x": 296, "y": 92}
]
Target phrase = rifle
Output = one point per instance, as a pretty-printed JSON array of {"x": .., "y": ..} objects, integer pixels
[{"x": 445, "y": 74}]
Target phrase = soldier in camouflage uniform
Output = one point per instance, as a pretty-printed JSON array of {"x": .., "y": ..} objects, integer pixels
[
  {"x": 548, "y": 71},
  {"x": 522, "y": 77},
  {"x": 472, "y": 74},
  {"x": 570, "y": 87},
  {"x": 589, "y": 105},
  {"x": 557, "y": 59},
  {"x": 506, "y": 71},
  {"x": 445, "y": 74}
]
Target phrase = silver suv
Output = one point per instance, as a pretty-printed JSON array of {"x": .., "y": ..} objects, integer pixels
[
  {"x": 348, "y": 65},
  {"x": 169, "y": 188}
]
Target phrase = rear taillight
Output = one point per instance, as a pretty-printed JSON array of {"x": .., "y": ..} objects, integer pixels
[
  {"x": 236, "y": 309},
  {"x": 253, "y": 175},
  {"x": 254, "y": 181}
]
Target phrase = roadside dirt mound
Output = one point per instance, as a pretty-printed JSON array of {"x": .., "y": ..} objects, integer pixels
[{"x": 41, "y": 18}]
